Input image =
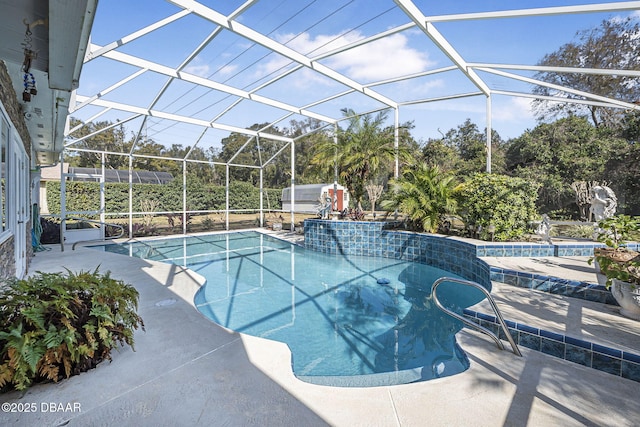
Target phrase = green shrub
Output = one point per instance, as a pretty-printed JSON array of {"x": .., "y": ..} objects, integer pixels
[
  {"x": 208, "y": 223},
  {"x": 578, "y": 231},
  {"x": 54, "y": 325},
  {"x": 507, "y": 203}
]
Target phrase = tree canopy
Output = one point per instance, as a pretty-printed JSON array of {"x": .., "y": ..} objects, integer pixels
[
  {"x": 463, "y": 150},
  {"x": 560, "y": 153},
  {"x": 613, "y": 44}
]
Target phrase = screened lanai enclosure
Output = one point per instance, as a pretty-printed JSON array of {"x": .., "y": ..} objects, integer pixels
[{"x": 216, "y": 86}]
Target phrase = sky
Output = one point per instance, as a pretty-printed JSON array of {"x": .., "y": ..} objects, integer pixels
[{"x": 314, "y": 27}]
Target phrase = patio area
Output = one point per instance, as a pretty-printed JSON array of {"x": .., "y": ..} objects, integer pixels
[{"x": 186, "y": 370}]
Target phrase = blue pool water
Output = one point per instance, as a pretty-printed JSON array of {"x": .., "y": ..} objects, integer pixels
[{"x": 348, "y": 320}]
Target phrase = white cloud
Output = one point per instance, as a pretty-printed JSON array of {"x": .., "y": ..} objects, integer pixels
[
  {"x": 273, "y": 63},
  {"x": 466, "y": 105},
  {"x": 198, "y": 67},
  {"x": 307, "y": 78},
  {"x": 382, "y": 59},
  {"x": 227, "y": 70},
  {"x": 322, "y": 43},
  {"x": 423, "y": 89},
  {"x": 515, "y": 109}
]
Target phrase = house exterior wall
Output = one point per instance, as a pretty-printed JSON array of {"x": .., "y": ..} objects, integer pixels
[
  {"x": 7, "y": 259},
  {"x": 13, "y": 109}
]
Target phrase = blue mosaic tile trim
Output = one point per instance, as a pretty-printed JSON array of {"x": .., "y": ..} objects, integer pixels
[
  {"x": 610, "y": 360},
  {"x": 537, "y": 250},
  {"x": 541, "y": 250},
  {"x": 515, "y": 250},
  {"x": 553, "y": 285}
]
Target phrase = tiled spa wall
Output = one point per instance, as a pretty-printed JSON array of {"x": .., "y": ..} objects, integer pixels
[{"x": 371, "y": 239}]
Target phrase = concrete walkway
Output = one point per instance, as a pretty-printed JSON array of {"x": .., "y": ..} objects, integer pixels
[{"x": 189, "y": 371}]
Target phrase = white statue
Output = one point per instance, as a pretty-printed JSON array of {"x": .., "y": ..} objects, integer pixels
[
  {"x": 325, "y": 209},
  {"x": 544, "y": 229},
  {"x": 603, "y": 203}
]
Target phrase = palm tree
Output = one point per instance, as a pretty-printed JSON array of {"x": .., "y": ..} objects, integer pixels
[
  {"x": 364, "y": 151},
  {"x": 425, "y": 195}
]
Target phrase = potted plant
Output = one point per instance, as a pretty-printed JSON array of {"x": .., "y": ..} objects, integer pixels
[
  {"x": 620, "y": 265},
  {"x": 614, "y": 232},
  {"x": 623, "y": 278}
]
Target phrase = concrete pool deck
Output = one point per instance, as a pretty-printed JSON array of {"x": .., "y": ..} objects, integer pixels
[{"x": 186, "y": 370}]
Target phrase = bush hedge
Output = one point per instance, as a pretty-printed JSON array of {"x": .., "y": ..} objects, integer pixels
[
  {"x": 505, "y": 202},
  {"x": 85, "y": 196}
]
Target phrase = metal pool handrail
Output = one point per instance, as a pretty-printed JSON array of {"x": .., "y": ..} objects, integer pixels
[
  {"x": 467, "y": 322},
  {"x": 73, "y": 247}
]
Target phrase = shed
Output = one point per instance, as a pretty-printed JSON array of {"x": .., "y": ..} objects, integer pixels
[{"x": 308, "y": 197}]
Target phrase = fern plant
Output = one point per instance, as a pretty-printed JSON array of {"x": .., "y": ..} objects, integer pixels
[
  {"x": 425, "y": 194},
  {"x": 54, "y": 325}
]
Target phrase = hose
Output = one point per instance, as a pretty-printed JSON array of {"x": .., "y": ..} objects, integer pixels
[{"x": 36, "y": 230}]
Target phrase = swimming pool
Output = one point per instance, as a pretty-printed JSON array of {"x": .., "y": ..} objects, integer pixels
[{"x": 348, "y": 320}]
